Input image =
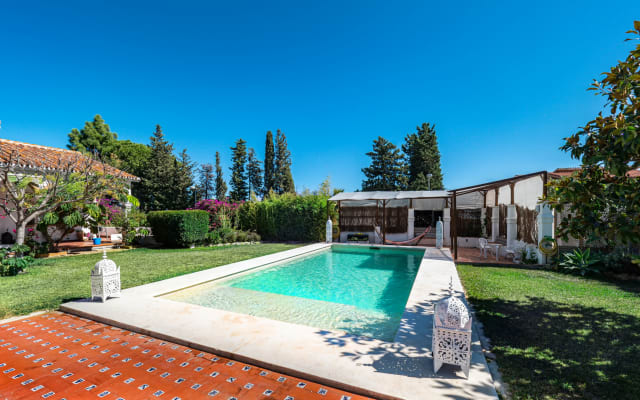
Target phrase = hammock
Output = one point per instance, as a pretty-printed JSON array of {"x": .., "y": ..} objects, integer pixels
[{"x": 410, "y": 242}]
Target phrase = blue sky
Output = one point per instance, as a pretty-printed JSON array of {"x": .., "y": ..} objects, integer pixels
[{"x": 504, "y": 82}]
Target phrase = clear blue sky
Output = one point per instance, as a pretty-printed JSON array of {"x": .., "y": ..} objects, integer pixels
[{"x": 503, "y": 82}]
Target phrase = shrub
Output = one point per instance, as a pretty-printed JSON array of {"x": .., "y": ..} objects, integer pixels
[
  {"x": 15, "y": 260},
  {"x": 221, "y": 213},
  {"x": 128, "y": 223},
  {"x": 287, "y": 217},
  {"x": 179, "y": 228}
]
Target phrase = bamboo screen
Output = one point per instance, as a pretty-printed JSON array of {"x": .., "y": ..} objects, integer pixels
[
  {"x": 469, "y": 223},
  {"x": 527, "y": 227},
  {"x": 363, "y": 219},
  {"x": 502, "y": 222}
]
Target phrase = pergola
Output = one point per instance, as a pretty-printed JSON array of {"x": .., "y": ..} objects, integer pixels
[
  {"x": 483, "y": 189},
  {"x": 382, "y": 199},
  {"x": 469, "y": 197}
]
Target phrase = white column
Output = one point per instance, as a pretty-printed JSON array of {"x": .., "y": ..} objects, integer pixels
[
  {"x": 439, "y": 234},
  {"x": 410, "y": 222},
  {"x": 446, "y": 218},
  {"x": 512, "y": 225},
  {"x": 545, "y": 227},
  {"x": 329, "y": 231},
  {"x": 483, "y": 220},
  {"x": 495, "y": 225}
]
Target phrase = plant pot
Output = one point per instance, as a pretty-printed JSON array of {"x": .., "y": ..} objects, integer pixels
[{"x": 97, "y": 241}]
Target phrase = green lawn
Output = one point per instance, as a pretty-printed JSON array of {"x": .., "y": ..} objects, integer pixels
[
  {"x": 53, "y": 281},
  {"x": 558, "y": 336}
]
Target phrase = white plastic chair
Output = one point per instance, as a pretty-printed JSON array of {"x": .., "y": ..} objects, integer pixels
[{"x": 484, "y": 245}]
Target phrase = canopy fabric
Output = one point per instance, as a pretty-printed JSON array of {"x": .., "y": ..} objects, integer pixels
[{"x": 389, "y": 195}]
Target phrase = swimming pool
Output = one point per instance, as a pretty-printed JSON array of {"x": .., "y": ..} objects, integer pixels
[{"x": 359, "y": 290}]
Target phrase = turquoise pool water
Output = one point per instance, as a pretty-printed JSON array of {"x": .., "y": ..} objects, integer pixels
[{"x": 358, "y": 290}]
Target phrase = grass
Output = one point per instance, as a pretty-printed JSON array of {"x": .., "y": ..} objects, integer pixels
[
  {"x": 558, "y": 336},
  {"x": 53, "y": 281}
]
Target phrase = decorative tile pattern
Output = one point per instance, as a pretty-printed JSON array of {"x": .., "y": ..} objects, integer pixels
[{"x": 59, "y": 356}]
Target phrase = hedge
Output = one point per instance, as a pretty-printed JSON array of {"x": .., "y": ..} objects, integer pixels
[
  {"x": 287, "y": 217},
  {"x": 179, "y": 228}
]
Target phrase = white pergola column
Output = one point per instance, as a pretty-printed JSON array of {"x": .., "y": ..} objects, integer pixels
[
  {"x": 545, "y": 227},
  {"x": 446, "y": 219},
  {"x": 495, "y": 223},
  {"x": 483, "y": 219},
  {"x": 410, "y": 223},
  {"x": 512, "y": 225}
]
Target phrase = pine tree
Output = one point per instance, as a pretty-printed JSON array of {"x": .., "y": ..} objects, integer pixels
[
  {"x": 95, "y": 138},
  {"x": 387, "y": 169},
  {"x": 269, "y": 164},
  {"x": 183, "y": 178},
  {"x": 283, "y": 182},
  {"x": 206, "y": 181},
  {"x": 423, "y": 157},
  {"x": 239, "y": 187},
  {"x": 221, "y": 186},
  {"x": 254, "y": 173},
  {"x": 157, "y": 186}
]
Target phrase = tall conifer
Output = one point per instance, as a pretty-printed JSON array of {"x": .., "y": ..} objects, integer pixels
[
  {"x": 423, "y": 157},
  {"x": 239, "y": 186},
  {"x": 387, "y": 169},
  {"x": 283, "y": 182},
  {"x": 254, "y": 173},
  {"x": 269, "y": 164},
  {"x": 221, "y": 186}
]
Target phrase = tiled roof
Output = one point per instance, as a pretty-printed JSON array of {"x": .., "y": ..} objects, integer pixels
[
  {"x": 562, "y": 172},
  {"x": 32, "y": 156}
]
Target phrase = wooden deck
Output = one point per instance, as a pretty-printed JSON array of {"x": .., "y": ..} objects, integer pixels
[{"x": 80, "y": 245}]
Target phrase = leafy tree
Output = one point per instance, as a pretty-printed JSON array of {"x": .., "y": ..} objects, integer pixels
[
  {"x": 221, "y": 186},
  {"x": 387, "y": 170},
  {"x": 254, "y": 172},
  {"x": 95, "y": 138},
  {"x": 283, "y": 180},
  {"x": 207, "y": 180},
  {"x": 269, "y": 164},
  {"x": 601, "y": 197},
  {"x": 158, "y": 190},
  {"x": 75, "y": 179},
  {"x": 239, "y": 187},
  {"x": 130, "y": 157},
  {"x": 423, "y": 158}
]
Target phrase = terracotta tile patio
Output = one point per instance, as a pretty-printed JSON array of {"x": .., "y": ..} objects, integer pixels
[{"x": 60, "y": 356}]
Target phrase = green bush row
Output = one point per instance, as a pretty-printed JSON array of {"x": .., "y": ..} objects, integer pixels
[
  {"x": 287, "y": 217},
  {"x": 179, "y": 228}
]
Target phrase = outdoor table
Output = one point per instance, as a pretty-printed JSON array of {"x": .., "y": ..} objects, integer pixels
[{"x": 497, "y": 246}]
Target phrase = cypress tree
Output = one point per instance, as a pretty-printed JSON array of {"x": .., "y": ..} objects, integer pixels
[
  {"x": 239, "y": 187},
  {"x": 254, "y": 173},
  {"x": 283, "y": 182},
  {"x": 221, "y": 186},
  {"x": 269, "y": 164},
  {"x": 206, "y": 178},
  {"x": 423, "y": 157},
  {"x": 387, "y": 169}
]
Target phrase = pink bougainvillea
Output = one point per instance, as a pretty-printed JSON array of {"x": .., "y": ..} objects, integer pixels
[{"x": 220, "y": 212}]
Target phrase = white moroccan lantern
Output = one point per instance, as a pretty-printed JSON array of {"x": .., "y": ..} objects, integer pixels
[
  {"x": 105, "y": 279},
  {"x": 451, "y": 333}
]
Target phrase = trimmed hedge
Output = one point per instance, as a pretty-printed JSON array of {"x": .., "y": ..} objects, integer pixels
[
  {"x": 179, "y": 228},
  {"x": 286, "y": 217}
]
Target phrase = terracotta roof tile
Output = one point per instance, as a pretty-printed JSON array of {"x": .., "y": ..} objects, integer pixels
[{"x": 43, "y": 157}]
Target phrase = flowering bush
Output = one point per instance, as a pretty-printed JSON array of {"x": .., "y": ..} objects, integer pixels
[
  {"x": 221, "y": 213},
  {"x": 111, "y": 210}
]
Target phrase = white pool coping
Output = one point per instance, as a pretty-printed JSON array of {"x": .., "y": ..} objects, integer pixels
[{"x": 402, "y": 369}]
